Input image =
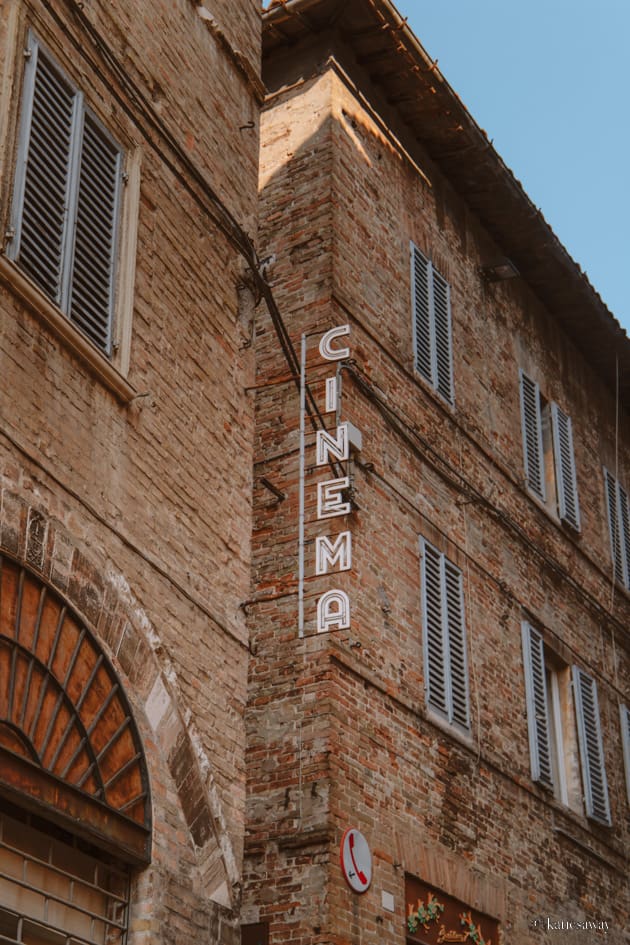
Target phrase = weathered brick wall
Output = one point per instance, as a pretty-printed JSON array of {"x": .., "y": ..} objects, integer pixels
[
  {"x": 288, "y": 718},
  {"x": 340, "y": 734},
  {"x": 187, "y": 887},
  {"x": 176, "y": 55},
  {"x": 157, "y": 491}
]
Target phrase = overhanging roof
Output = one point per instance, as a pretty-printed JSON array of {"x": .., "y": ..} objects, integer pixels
[{"x": 379, "y": 41}]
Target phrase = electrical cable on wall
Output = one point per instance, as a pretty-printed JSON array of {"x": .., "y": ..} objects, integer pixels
[
  {"x": 422, "y": 448},
  {"x": 202, "y": 193},
  {"x": 212, "y": 205}
]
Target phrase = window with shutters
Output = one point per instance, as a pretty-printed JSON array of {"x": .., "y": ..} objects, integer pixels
[
  {"x": 66, "y": 200},
  {"x": 618, "y": 509},
  {"x": 546, "y": 689},
  {"x": 624, "y": 718},
  {"x": 564, "y": 734},
  {"x": 548, "y": 453},
  {"x": 594, "y": 782},
  {"x": 444, "y": 638},
  {"x": 431, "y": 303}
]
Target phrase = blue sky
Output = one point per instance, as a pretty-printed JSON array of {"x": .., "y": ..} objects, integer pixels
[{"x": 549, "y": 81}]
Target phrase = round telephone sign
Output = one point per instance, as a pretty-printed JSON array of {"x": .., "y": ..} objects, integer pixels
[{"x": 356, "y": 860}]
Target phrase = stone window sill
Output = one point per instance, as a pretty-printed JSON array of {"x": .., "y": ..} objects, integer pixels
[{"x": 96, "y": 362}]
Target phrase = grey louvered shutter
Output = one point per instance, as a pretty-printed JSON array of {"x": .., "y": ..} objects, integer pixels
[
  {"x": 421, "y": 303},
  {"x": 624, "y": 718},
  {"x": 619, "y": 526},
  {"x": 442, "y": 333},
  {"x": 435, "y": 657},
  {"x": 624, "y": 529},
  {"x": 92, "y": 293},
  {"x": 66, "y": 197},
  {"x": 538, "y": 711},
  {"x": 432, "y": 329},
  {"x": 43, "y": 180},
  {"x": 591, "y": 747},
  {"x": 456, "y": 642},
  {"x": 566, "y": 480},
  {"x": 613, "y": 526},
  {"x": 531, "y": 417}
]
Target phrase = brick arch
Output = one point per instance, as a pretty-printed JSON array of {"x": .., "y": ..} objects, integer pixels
[
  {"x": 102, "y": 599},
  {"x": 64, "y": 712}
]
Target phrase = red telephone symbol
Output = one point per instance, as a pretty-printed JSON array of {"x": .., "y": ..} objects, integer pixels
[{"x": 360, "y": 874}]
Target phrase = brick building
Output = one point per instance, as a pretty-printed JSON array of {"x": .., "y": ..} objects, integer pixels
[
  {"x": 438, "y": 724},
  {"x": 438, "y": 716},
  {"x": 128, "y": 182}
]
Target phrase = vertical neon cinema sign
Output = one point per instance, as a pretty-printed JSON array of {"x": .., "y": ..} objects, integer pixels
[{"x": 333, "y": 605}]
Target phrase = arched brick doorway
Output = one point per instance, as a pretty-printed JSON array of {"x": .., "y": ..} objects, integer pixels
[{"x": 74, "y": 787}]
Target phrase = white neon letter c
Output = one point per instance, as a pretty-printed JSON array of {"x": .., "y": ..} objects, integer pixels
[{"x": 334, "y": 354}]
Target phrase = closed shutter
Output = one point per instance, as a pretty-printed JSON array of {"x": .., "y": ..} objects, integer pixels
[
  {"x": 591, "y": 747},
  {"x": 42, "y": 193},
  {"x": 566, "y": 481},
  {"x": 624, "y": 713},
  {"x": 619, "y": 526},
  {"x": 538, "y": 706},
  {"x": 532, "y": 436},
  {"x": 445, "y": 662},
  {"x": 432, "y": 329},
  {"x": 442, "y": 321},
  {"x": 421, "y": 292},
  {"x": 613, "y": 526},
  {"x": 624, "y": 529},
  {"x": 94, "y": 248},
  {"x": 456, "y": 636},
  {"x": 66, "y": 197},
  {"x": 435, "y": 656}
]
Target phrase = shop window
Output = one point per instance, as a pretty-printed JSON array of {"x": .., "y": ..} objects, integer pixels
[
  {"x": 445, "y": 659},
  {"x": 432, "y": 917},
  {"x": 548, "y": 453},
  {"x": 431, "y": 304},
  {"x": 56, "y": 889}
]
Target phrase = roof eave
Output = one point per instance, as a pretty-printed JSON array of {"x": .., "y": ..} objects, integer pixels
[{"x": 474, "y": 168}]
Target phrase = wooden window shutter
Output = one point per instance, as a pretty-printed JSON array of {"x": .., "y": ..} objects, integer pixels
[
  {"x": 435, "y": 656},
  {"x": 456, "y": 637},
  {"x": 613, "y": 526},
  {"x": 42, "y": 193},
  {"x": 566, "y": 480},
  {"x": 445, "y": 661},
  {"x": 624, "y": 713},
  {"x": 591, "y": 747},
  {"x": 442, "y": 332},
  {"x": 66, "y": 200},
  {"x": 538, "y": 721},
  {"x": 92, "y": 295},
  {"x": 624, "y": 528},
  {"x": 619, "y": 526},
  {"x": 532, "y": 436},
  {"x": 421, "y": 298},
  {"x": 432, "y": 328}
]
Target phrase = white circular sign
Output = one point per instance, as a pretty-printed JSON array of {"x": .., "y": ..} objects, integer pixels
[{"x": 356, "y": 860}]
